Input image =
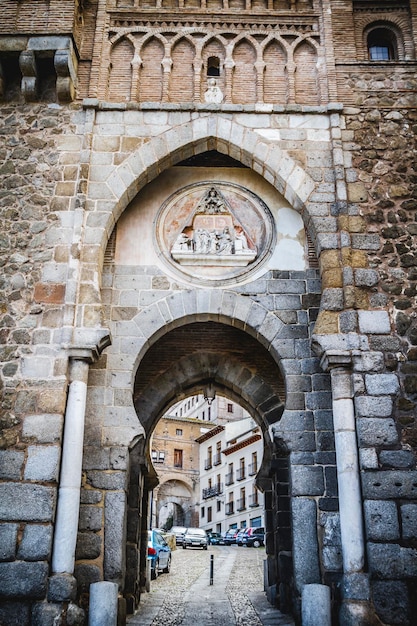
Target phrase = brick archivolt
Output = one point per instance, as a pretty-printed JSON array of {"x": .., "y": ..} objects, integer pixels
[
  {"x": 157, "y": 66},
  {"x": 398, "y": 24}
]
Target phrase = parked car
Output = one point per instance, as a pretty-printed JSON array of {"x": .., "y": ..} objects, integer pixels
[
  {"x": 195, "y": 538},
  {"x": 230, "y": 536},
  {"x": 222, "y": 536},
  {"x": 214, "y": 538},
  {"x": 159, "y": 553},
  {"x": 178, "y": 532},
  {"x": 240, "y": 535},
  {"x": 254, "y": 537}
]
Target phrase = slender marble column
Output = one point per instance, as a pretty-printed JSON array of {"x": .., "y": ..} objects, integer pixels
[
  {"x": 347, "y": 460},
  {"x": 68, "y": 505}
]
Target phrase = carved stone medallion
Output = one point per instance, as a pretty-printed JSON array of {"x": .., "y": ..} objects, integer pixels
[{"x": 214, "y": 231}]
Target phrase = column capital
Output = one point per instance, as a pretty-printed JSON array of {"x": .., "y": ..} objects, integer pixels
[
  {"x": 332, "y": 359},
  {"x": 88, "y": 344}
]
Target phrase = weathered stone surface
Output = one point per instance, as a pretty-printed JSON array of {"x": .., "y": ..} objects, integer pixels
[
  {"x": 11, "y": 463},
  {"x": 399, "y": 459},
  {"x": 88, "y": 546},
  {"x": 409, "y": 521},
  {"x": 22, "y": 579},
  {"x": 307, "y": 480},
  {"x": 91, "y": 517},
  {"x": 42, "y": 463},
  {"x": 46, "y": 614},
  {"x": 114, "y": 513},
  {"x": 332, "y": 542},
  {"x": 75, "y": 615},
  {"x": 305, "y": 542},
  {"x": 43, "y": 428},
  {"x": 26, "y": 502},
  {"x": 85, "y": 575},
  {"x": 8, "y": 536},
  {"x": 107, "y": 480},
  {"x": 14, "y": 613},
  {"x": 36, "y": 543},
  {"x": 376, "y": 431},
  {"x": 381, "y": 384},
  {"x": 62, "y": 587},
  {"x": 391, "y": 602},
  {"x": 373, "y": 406},
  {"x": 391, "y": 561},
  {"x": 358, "y": 199},
  {"x": 381, "y": 520},
  {"x": 381, "y": 485}
]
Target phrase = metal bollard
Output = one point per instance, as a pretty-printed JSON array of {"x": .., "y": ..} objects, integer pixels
[{"x": 211, "y": 568}]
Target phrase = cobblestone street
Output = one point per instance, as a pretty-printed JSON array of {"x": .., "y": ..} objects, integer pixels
[{"x": 185, "y": 597}]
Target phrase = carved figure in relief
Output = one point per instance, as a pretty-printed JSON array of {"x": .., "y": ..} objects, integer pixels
[
  {"x": 214, "y": 94},
  {"x": 212, "y": 203},
  {"x": 241, "y": 242},
  {"x": 225, "y": 242},
  {"x": 213, "y": 235},
  {"x": 183, "y": 242},
  {"x": 202, "y": 241}
]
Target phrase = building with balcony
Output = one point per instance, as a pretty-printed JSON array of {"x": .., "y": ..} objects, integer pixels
[{"x": 230, "y": 458}]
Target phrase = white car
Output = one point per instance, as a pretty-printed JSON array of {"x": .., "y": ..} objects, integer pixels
[{"x": 195, "y": 538}]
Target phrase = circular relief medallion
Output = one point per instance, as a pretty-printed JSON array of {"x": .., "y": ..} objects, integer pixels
[{"x": 214, "y": 231}]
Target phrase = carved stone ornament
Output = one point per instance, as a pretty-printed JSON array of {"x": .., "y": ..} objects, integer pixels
[{"x": 214, "y": 231}]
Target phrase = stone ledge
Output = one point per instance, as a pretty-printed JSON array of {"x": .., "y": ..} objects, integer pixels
[{"x": 102, "y": 105}]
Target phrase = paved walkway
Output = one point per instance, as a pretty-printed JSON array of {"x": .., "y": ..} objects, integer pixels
[{"x": 185, "y": 597}]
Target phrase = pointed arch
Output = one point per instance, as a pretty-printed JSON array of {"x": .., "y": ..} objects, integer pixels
[
  {"x": 275, "y": 79},
  {"x": 181, "y": 80},
  {"x": 193, "y": 138},
  {"x": 306, "y": 74},
  {"x": 151, "y": 73},
  {"x": 120, "y": 78},
  {"x": 213, "y": 49},
  {"x": 244, "y": 73}
]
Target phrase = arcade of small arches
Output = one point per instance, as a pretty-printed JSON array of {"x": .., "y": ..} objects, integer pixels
[{"x": 151, "y": 67}]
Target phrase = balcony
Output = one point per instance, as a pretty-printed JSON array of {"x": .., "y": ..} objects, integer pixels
[
  {"x": 241, "y": 504},
  {"x": 230, "y": 508},
  {"x": 252, "y": 469},
  {"x": 217, "y": 459},
  {"x": 229, "y": 480},
  {"x": 211, "y": 492},
  {"x": 253, "y": 500},
  {"x": 208, "y": 464},
  {"x": 241, "y": 474}
]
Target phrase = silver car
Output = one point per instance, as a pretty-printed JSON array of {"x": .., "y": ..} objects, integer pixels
[{"x": 195, "y": 538}]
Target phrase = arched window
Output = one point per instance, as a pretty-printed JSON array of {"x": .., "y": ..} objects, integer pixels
[
  {"x": 382, "y": 45},
  {"x": 213, "y": 66}
]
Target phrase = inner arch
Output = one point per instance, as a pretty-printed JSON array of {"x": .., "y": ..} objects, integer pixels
[{"x": 187, "y": 358}]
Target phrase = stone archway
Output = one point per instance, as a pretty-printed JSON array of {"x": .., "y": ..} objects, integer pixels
[
  {"x": 263, "y": 326},
  {"x": 192, "y": 353}
]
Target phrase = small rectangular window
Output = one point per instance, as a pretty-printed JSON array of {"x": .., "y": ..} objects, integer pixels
[
  {"x": 179, "y": 432},
  {"x": 230, "y": 408},
  {"x": 177, "y": 458}
]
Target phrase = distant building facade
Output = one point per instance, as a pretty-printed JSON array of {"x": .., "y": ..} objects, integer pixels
[
  {"x": 175, "y": 455},
  {"x": 230, "y": 459}
]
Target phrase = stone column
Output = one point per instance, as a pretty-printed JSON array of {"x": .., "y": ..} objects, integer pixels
[
  {"x": 68, "y": 505},
  {"x": 355, "y": 581}
]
